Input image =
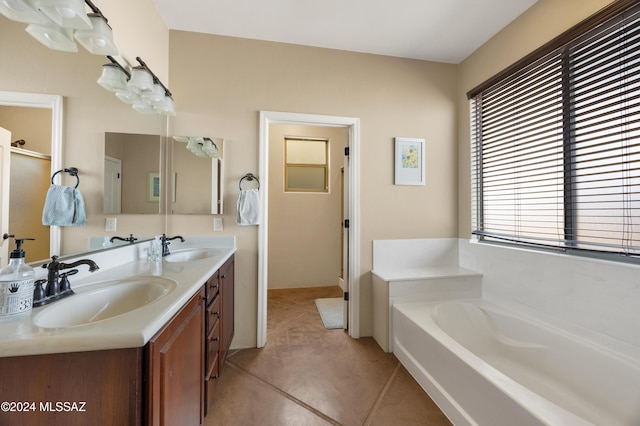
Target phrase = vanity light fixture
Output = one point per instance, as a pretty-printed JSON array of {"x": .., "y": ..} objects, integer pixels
[
  {"x": 99, "y": 39},
  {"x": 141, "y": 80},
  {"x": 141, "y": 88},
  {"x": 21, "y": 11},
  {"x": 53, "y": 36},
  {"x": 199, "y": 146},
  {"x": 114, "y": 77},
  {"x": 66, "y": 13}
]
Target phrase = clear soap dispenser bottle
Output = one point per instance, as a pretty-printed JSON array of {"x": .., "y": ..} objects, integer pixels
[
  {"x": 16, "y": 284},
  {"x": 155, "y": 251}
]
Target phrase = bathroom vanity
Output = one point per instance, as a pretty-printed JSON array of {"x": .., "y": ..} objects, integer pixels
[{"x": 95, "y": 373}]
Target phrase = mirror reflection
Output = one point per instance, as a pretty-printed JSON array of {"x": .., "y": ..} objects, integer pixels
[
  {"x": 132, "y": 173},
  {"x": 196, "y": 175}
]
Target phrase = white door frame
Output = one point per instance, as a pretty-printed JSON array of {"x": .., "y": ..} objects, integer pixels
[
  {"x": 53, "y": 102},
  {"x": 353, "y": 276}
]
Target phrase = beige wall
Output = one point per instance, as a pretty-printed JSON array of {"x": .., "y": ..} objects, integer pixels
[
  {"x": 542, "y": 22},
  {"x": 304, "y": 228},
  {"x": 221, "y": 84}
]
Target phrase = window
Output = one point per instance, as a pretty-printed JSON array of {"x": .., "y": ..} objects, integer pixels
[
  {"x": 556, "y": 142},
  {"x": 306, "y": 165}
]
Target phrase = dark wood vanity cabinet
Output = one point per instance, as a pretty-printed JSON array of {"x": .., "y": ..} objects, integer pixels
[
  {"x": 174, "y": 366},
  {"x": 158, "y": 384},
  {"x": 219, "y": 325}
]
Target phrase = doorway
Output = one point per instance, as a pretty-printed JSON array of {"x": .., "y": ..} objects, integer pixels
[{"x": 351, "y": 275}]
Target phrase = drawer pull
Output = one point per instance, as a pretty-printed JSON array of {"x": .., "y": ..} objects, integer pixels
[
  {"x": 215, "y": 339},
  {"x": 217, "y": 313},
  {"x": 215, "y": 376}
]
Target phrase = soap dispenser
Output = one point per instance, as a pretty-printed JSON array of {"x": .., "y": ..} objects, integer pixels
[
  {"x": 16, "y": 283},
  {"x": 155, "y": 251}
]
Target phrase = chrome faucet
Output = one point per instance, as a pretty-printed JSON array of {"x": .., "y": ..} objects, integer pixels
[
  {"x": 165, "y": 243},
  {"x": 58, "y": 285},
  {"x": 129, "y": 239}
]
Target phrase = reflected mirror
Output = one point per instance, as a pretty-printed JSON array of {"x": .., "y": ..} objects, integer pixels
[
  {"x": 196, "y": 175},
  {"x": 132, "y": 173}
]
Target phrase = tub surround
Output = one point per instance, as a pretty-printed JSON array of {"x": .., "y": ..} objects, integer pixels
[
  {"x": 595, "y": 298},
  {"x": 416, "y": 270},
  {"x": 133, "y": 329}
]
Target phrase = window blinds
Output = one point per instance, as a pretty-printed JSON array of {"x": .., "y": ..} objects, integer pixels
[{"x": 556, "y": 145}]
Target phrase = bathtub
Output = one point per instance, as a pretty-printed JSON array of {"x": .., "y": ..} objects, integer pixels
[{"x": 485, "y": 365}]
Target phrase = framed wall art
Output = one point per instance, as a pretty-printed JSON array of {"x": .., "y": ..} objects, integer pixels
[{"x": 409, "y": 161}]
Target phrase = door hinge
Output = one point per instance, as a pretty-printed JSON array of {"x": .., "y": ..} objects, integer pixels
[
  {"x": 346, "y": 296},
  {"x": 346, "y": 223},
  {"x": 346, "y": 151}
]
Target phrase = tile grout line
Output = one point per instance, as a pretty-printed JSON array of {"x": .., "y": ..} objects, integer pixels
[
  {"x": 288, "y": 396},
  {"x": 383, "y": 392}
]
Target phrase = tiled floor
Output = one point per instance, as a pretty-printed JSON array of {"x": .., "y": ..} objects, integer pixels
[{"x": 308, "y": 375}]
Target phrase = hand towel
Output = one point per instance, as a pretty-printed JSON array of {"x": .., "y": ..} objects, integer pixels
[
  {"x": 64, "y": 206},
  {"x": 248, "y": 207}
]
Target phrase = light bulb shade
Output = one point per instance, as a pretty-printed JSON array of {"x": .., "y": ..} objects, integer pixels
[
  {"x": 113, "y": 78},
  {"x": 53, "y": 37},
  {"x": 144, "y": 108},
  {"x": 166, "y": 107},
  {"x": 99, "y": 39},
  {"x": 128, "y": 97},
  {"x": 21, "y": 11},
  {"x": 141, "y": 80},
  {"x": 155, "y": 96},
  {"x": 210, "y": 148},
  {"x": 66, "y": 13},
  {"x": 195, "y": 146}
]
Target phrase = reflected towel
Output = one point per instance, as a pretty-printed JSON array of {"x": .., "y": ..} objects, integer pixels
[
  {"x": 64, "y": 206},
  {"x": 248, "y": 207}
]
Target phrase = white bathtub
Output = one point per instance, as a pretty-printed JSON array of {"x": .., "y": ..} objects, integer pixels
[{"x": 484, "y": 365}]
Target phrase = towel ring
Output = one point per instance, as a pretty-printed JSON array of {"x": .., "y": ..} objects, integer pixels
[
  {"x": 249, "y": 177},
  {"x": 72, "y": 171}
]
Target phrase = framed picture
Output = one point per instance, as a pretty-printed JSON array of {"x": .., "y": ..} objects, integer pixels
[
  {"x": 153, "y": 187},
  {"x": 409, "y": 161}
]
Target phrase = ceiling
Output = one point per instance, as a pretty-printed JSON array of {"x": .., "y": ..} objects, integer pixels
[{"x": 435, "y": 30}]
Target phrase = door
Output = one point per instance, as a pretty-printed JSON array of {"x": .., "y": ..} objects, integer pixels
[
  {"x": 112, "y": 185},
  {"x": 5, "y": 162},
  {"x": 345, "y": 227}
]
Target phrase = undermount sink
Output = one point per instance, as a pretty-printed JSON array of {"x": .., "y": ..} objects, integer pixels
[
  {"x": 189, "y": 255},
  {"x": 111, "y": 299}
]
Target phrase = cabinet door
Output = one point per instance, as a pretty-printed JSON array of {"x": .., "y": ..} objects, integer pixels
[
  {"x": 175, "y": 359},
  {"x": 227, "y": 294}
]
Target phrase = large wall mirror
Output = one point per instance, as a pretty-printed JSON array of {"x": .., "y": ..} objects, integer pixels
[
  {"x": 76, "y": 122},
  {"x": 196, "y": 175}
]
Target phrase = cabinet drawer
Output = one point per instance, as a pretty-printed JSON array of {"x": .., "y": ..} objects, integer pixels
[
  {"x": 210, "y": 387},
  {"x": 212, "y": 287},
  {"x": 212, "y": 348},
  {"x": 213, "y": 314}
]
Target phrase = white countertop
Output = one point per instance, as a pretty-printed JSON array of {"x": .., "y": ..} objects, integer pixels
[{"x": 129, "y": 330}]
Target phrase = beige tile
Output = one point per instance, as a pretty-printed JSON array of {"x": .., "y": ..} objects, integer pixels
[
  {"x": 406, "y": 403},
  {"x": 244, "y": 400}
]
